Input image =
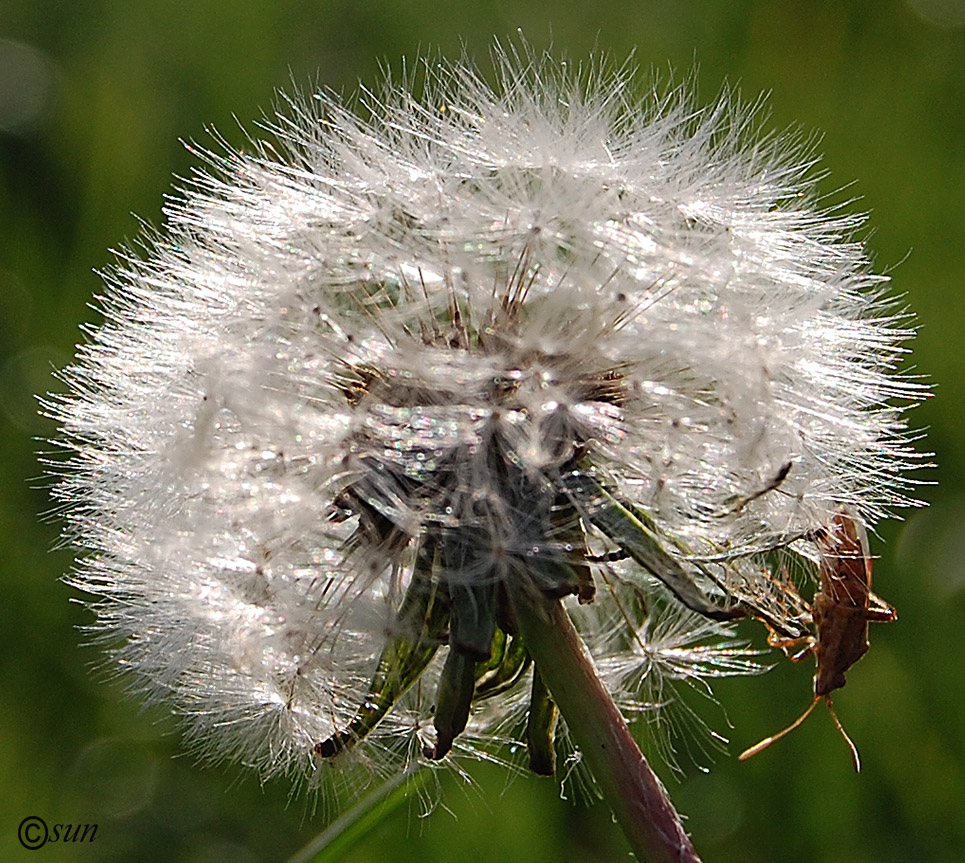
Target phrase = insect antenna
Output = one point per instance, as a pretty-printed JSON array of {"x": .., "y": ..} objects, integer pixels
[
  {"x": 855, "y": 758},
  {"x": 767, "y": 741}
]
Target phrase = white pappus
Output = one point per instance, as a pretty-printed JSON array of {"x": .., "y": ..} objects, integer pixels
[{"x": 565, "y": 330}]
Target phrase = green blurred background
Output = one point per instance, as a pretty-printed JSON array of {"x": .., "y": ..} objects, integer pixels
[{"x": 94, "y": 95}]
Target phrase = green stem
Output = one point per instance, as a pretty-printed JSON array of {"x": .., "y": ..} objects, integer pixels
[{"x": 632, "y": 790}]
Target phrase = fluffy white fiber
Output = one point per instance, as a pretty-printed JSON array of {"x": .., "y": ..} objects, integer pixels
[{"x": 431, "y": 322}]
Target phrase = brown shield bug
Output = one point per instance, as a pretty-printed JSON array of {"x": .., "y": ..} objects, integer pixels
[{"x": 840, "y": 613}]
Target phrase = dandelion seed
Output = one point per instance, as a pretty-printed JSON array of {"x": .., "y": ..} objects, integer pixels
[{"x": 375, "y": 381}]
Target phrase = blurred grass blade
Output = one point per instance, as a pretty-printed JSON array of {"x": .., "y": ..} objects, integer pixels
[{"x": 331, "y": 845}]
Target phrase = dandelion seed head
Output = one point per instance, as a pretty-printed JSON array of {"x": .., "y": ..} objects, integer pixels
[{"x": 380, "y": 345}]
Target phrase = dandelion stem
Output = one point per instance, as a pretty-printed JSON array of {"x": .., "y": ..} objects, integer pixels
[{"x": 632, "y": 790}]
